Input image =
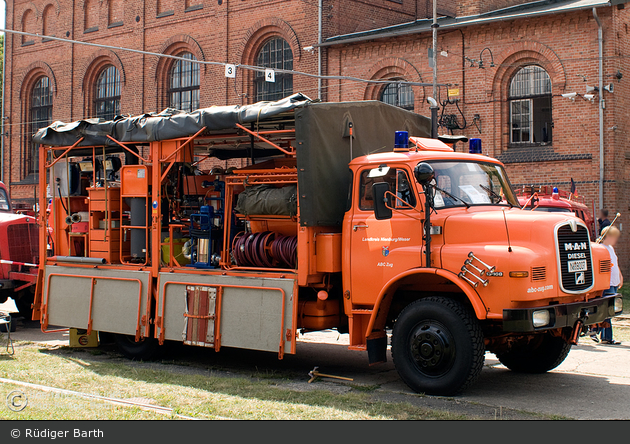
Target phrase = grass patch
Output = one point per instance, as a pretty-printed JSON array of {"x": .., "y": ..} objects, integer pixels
[{"x": 206, "y": 395}]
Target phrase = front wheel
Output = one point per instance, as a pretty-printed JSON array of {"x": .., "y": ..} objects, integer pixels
[
  {"x": 437, "y": 346},
  {"x": 541, "y": 354}
]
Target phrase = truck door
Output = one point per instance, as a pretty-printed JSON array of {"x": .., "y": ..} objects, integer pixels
[{"x": 381, "y": 249}]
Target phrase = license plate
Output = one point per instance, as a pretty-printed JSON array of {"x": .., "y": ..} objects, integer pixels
[{"x": 577, "y": 266}]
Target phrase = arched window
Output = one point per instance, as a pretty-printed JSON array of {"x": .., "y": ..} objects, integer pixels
[
  {"x": 530, "y": 106},
  {"x": 184, "y": 83},
  {"x": 107, "y": 95},
  {"x": 40, "y": 116},
  {"x": 275, "y": 53},
  {"x": 398, "y": 94}
]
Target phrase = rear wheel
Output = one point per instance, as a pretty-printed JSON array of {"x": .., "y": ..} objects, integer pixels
[
  {"x": 437, "y": 346},
  {"x": 543, "y": 353},
  {"x": 24, "y": 303},
  {"x": 146, "y": 349}
]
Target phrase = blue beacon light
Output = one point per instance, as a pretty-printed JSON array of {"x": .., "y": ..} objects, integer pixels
[{"x": 401, "y": 141}]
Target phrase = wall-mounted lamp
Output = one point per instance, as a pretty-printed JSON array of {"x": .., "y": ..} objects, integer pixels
[
  {"x": 477, "y": 122},
  {"x": 481, "y": 58}
]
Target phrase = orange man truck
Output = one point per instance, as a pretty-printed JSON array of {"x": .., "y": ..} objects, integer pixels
[{"x": 327, "y": 225}]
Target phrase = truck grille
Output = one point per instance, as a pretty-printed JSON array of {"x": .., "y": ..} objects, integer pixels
[
  {"x": 23, "y": 242},
  {"x": 574, "y": 255}
]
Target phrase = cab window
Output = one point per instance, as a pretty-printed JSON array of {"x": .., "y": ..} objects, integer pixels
[
  {"x": 4, "y": 201},
  {"x": 399, "y": 185}
]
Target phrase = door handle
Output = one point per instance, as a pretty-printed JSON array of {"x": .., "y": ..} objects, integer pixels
[{"x": 356, "y": 227}]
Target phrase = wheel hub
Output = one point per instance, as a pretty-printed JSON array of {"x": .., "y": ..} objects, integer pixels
[{"x": 432, "y": 348}]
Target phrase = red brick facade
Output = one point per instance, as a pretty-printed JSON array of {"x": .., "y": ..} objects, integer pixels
[{"x": 564, "y": 44}]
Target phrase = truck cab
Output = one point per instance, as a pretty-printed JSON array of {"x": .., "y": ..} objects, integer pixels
[{"x": 515, "y": 282}]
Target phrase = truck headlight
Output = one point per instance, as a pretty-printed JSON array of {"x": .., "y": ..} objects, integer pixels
[
  {"x": 540, "y": 318},
  {"x": 618, "y": 305}
]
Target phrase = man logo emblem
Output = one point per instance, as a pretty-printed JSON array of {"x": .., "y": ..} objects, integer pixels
[
  {"x": 579, "y": 278},
  {"x": 385, "y": 251}
]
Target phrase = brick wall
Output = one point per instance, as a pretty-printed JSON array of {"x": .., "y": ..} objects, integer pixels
[{"x": 566, "y": 46}]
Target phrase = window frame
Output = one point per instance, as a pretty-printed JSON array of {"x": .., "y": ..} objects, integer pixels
[
  {"x": 397, "y": 169},
  {"x": 102, "y": 101},
  {"x": 399, "y": 86},
  {"x": 531, "y": 92},
  {"x": 36, "y": 122},
  {"x": 521, "y": 127},
  {"x": 262, "y": 89},
  {"x": 192, "y": 87}
]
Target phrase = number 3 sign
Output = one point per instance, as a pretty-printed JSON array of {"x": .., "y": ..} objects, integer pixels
[
  {"x": 270, "y": 75},
  {"x": 230, "y": 71}
]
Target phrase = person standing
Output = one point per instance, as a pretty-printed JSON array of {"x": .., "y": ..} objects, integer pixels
[
  {"x": 611, "y": 236},
  {"x": 602, "y": 220}
]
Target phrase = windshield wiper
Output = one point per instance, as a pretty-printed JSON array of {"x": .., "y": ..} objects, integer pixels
[
  {"x": 495, "y": 194},
  {"x": 451, "y": 196}
]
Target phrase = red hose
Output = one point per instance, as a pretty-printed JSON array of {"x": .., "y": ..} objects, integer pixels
[{"x": 267, "y": 249}]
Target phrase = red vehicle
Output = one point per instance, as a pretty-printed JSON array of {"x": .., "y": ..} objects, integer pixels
[
  {"x": 19, "y": 236},
  {"x": 543, "y": 198}
]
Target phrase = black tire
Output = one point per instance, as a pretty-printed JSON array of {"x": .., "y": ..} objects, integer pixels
[
  {"x": 24, "y": 303},
  {"x": 146, "y": 349},
  {"x": 437, "y": 346},
  {"x": 540, "y": 355}
]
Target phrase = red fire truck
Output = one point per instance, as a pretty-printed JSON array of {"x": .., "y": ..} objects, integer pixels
[
  {"x": 551, "y": 200},
  {"x": 19, "y": 241}
]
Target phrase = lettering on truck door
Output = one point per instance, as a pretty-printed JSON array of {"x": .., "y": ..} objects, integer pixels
[{"x": 382, "y": 249}]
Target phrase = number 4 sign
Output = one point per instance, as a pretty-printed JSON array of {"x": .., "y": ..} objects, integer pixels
[
  {"x": 270, "y": 75},
  {"x": 230, "y": 71}
]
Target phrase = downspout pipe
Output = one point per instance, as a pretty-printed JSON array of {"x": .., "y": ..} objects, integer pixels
[
  {"x": 320, "y": 7},
  {"x": 600, "y": 43},
  {"x": 4, "y": 78}
]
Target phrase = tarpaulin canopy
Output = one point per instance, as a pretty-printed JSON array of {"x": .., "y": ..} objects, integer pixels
[
  {"x": 322, "y": 140},
  {"x": 168, "y": 124},
  {"x": 323, "y": 150}
]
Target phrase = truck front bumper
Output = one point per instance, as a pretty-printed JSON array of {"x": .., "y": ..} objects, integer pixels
[{"x": 527, "y": 320}]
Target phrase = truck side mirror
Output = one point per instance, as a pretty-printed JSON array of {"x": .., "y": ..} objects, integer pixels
[{"x": 381, "y": 210}]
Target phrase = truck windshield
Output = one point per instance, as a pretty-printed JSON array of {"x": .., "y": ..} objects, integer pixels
[
  {"x": 4, "y": 201},
  {"x": 471, "y": 183}
]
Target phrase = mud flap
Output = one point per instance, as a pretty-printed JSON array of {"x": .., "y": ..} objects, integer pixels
[{"x": 377, "y": 349}]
